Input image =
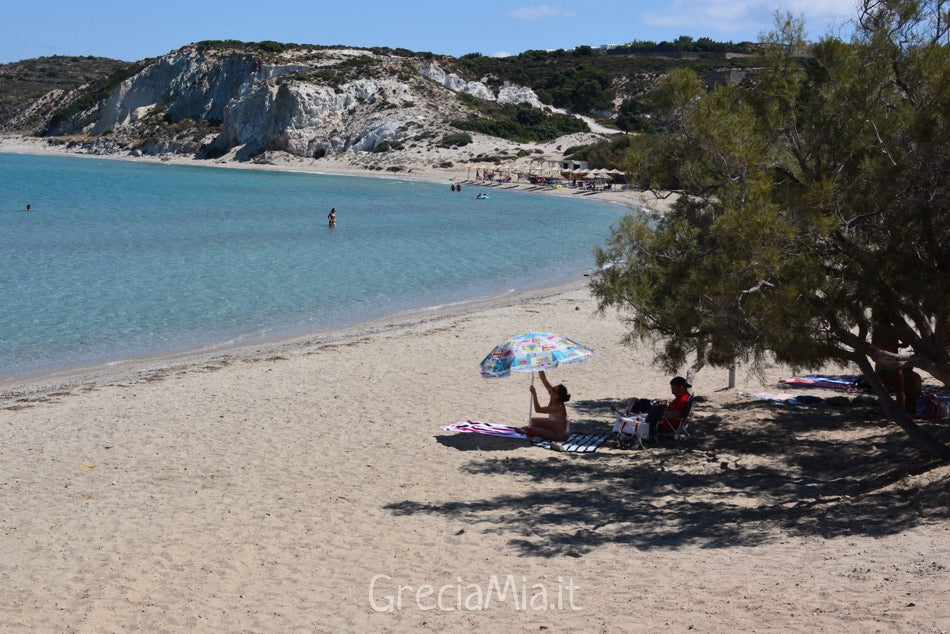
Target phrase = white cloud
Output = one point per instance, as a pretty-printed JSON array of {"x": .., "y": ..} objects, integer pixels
[
  {"x": 719, "y": 15},
  {"x": 541, "y": 12},
  {"x": 737, "y": 16}
]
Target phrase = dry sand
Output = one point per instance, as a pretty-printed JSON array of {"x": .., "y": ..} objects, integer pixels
[{"x": 307, "y": 486}]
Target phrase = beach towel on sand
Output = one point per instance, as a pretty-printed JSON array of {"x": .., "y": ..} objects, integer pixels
[
  {"x": 786, "y": 397},
  {"x": 826, "y": 382},
  {"x": 577, "y": 443}
]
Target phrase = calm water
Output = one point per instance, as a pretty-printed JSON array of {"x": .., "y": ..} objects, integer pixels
[{"x": 121, "y": 259}]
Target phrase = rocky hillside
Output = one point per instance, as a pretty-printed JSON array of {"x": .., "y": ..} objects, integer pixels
[
  {"x": 241, "y": 102},
  {"x": 32, "y": 89},
  {"x": 238, "y": 101}
]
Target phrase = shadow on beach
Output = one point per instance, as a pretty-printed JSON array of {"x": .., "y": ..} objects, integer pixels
[{"x": 751, "y": 473}]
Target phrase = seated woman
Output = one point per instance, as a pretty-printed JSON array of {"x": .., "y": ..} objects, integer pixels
[
  {"x": 674, "y": 413},
  {"x": 554, "y": 426},
  {"x": 665, "y": 416}
]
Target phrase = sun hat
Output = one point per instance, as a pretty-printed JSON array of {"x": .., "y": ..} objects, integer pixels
[{"x": 678, "y": 380}]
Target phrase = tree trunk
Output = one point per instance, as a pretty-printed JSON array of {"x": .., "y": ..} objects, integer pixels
[{"x": 893, "y": 412}]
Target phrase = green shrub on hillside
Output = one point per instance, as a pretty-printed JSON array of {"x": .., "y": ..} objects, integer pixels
[
  {"x": 456, "y": 139},
  {"x": 586, "y": 80},
  {"x": 522, "y": 124}
]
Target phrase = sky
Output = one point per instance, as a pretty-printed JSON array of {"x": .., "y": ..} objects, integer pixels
[{"x": 133, "y": 31}]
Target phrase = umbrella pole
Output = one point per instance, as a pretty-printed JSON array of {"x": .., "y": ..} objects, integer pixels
[{"x": 530, "y": 402}]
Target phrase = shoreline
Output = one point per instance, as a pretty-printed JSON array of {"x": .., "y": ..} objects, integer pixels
[
  {"x": 67, "y": 378},
  {"x": 141, "y": 368},
  {"x": 342, "y": 165}
]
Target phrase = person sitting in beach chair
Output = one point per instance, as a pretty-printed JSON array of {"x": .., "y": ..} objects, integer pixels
[
  {"x": 632, "y": 426},
  {"x": 674, "y": 416}
]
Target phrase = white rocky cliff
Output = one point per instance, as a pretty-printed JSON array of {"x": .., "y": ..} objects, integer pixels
[{"x": 307, "y": 103}]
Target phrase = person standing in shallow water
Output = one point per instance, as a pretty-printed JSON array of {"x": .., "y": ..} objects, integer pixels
[{"x": 332, "y": 217}]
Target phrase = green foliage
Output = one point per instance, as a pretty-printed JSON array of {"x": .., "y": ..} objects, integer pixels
[
  {"x": 633, "y": 115},
  {"x": 400, "y": 52},
  {"x": 456, "y": 139},
  {"x": 342, "y": 72},
  {"x": 677, "y": 90},
  {"x": 468, "y": 100},
  {"x": 522, "y": 124},
  {"x": 270, "y": 46},
  {"x": 585, "y": 80},
  {"x": 386, "y": 146},
  {"x": 267, "y": 46},
  {"x": 610, "y": 153},
  {"x": 685, "y": 44},
  {"x": 814, "y": 209},
  {"x": 360, "y": 61},
  {"x": 21, "y": 82},
  {"x": 581, "y": 89}
]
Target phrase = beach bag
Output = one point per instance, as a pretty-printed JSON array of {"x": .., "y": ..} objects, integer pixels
[{"x": 641, "y": 406}]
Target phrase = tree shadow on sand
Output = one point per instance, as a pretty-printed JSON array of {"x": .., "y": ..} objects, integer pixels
[{"x": 784, "y": 472}]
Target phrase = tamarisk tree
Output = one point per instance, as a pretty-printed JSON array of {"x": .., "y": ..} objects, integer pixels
[{"x": 808, "y": 202}]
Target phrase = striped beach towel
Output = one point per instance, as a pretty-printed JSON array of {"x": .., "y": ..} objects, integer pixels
[
  {"x": 826, "y": 382},
  {"x": 575, "y": 443}
]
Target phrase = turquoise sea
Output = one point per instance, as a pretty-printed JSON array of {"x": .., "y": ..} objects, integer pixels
[{"x": 121, "y": 259}]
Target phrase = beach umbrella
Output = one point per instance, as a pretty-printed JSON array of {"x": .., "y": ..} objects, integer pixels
[{"x": 530, "y": 352}]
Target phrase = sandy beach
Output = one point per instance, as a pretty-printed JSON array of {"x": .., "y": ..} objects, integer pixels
[
  {"x": 421, "y": 168},
  {"x": 307, "y": 486}
]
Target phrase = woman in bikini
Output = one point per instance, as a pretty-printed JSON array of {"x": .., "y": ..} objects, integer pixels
[{"x": 555, "y": 426}]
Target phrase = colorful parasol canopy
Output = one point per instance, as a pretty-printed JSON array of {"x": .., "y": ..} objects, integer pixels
[{"x": 531, "y": 352}]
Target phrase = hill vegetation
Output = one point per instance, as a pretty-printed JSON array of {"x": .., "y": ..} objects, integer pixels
[
  {"x": 610, "y": 85},
  {"x": 25, "y": 81},
  {"x": 600, "y": 82}
]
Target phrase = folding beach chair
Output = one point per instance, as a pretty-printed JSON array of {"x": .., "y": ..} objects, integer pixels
[
  {"x": 629, "y": 430},
  {"x": 634, "y": 428},
  {"x": 679, "y": 431}
]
